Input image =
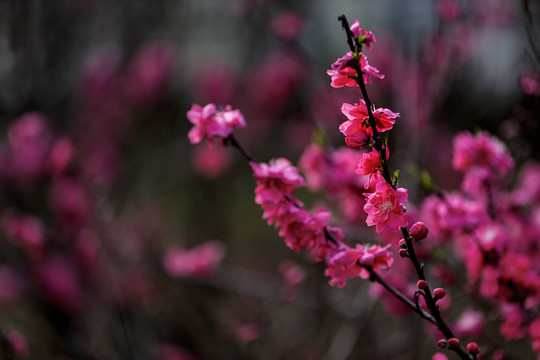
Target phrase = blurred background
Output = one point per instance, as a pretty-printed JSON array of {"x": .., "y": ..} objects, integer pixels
[{"x": 120, "y": 240}]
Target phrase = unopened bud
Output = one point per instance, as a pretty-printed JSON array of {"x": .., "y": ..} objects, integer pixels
[
  {"x": 422, "y": 284},
  {"x": 439, "y": 293},
  {"x": 453, "y": 343},
  {"x": 402, "y": 244},
  {"x": 403, "y": 253},
  {"x": 442, "y": 343},
  {"x": 473, "y": 348},
  {"x": 419, "y": 231}
]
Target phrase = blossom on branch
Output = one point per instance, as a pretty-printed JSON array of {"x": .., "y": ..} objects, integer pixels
[
  {"x": 357, "y": 129},
  {"x": 350, "y": 263},
  {"x": 343, "y": 72},
  {"x": 369, "y": 165},
  {"x": 365, "y": 37},
  {"x": 384, "y": 207},
  {"x": 210, "y": 123}
]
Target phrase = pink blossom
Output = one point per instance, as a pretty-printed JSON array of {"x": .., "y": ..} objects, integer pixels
[
  {"x": 59, "y": 281},
  {"x": 330, "y": 170},
  {"x": 344, "y": 74},
  {"x": 18, "y": 344},
  {"x": 279, "y": 174},
  {"x": 211, "y": 162},
  {"x": 513, "y": 326},
  {"x": 61, "y": 155},
  {"x": 470, "y": 324},
  {"x": 150, "y": 71},
  {"x": 384, "y": 207},
  {"x": 534, "y": 334},
  {"x": 300, "y": 229},
  {"x": 439, "y": 356},
  {"x": 357, "y": 128},
  {"x": 481, "y": 151},
  {"x": 200, "y": 261},
  {"x": 451, "y": 215},
  {"x": 247, "y": 333},
  {"x": 29, "y": 141},
  {"x": 351, "y": 263},
  {"x": 11, "y": 285},
  {"x": 369, "y": 165},
  {"x": 27, "y": 231},
  {"x": 210, "y": 123},
  {"x": 448, "y": 9},
  {"x": 69, "y": 202},
  {"x": 363, "y": 36},
  {"x": 172, "y": 352},
  {"x": 369, "y": 70},
  {"x": 287, "y": 25},
  {"x": 293, "y": 276}
]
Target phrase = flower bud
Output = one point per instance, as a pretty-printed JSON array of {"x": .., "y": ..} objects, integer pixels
[
  {"x": 421, "y": 284},
  {"x": 402, "y": 244},
  {"x": 418, "y": 231},
  {"x": 439, "y": 293},
  {"x": 473, "y": 348},
  {"x": 453, "y": 343},
  {"x": 442, "y": 343},
  {"x": 403, "y": 253}
]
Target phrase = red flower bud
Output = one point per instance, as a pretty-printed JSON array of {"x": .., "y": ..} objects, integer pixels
[
  {"x": 473, "y": 348},
  {"x": 453, "y": 343},
  {"x": 422, "y": 284},
  {"x": 403, "y": 253},
  {"x": 402, "y": 244},
  {"x": 418, "y": 231},
  {"x": 442, "y": 343},
  {"x": 439, "y": 293}
]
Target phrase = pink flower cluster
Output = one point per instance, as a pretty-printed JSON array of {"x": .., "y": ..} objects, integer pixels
[
  {"x": 210, "y": 123},
  {"x": 344, "y": 74},
  {"x": 481, "y": 157},
  {"x": 353, "y": 262},
  {"x": 332, "y": 171},
  {"x": 303, "y": 230},
  {"x": 357, "y": 129}
]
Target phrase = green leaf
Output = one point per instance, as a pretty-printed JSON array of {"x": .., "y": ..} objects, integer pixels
[
  {"x": 426, "y": 180},
  {"x": 396, "y": 176},
  {"x": 319, "y": 136}
]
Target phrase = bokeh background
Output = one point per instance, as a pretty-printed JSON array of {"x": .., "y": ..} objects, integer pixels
[{"x": 102, "y": 196}]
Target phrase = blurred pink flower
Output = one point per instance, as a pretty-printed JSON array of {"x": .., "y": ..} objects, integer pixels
[
  {"x": 61, "y": 155},
  {"x": 200, "y": 261},
  {"x": 18, "y": 344},
  {"x": 11, "y": 284},
  {"x": 247, "y": 333},
  {"x": 211, "y": 162},
  {"x": 470, "y": 324},
  {"x": 59, "y": 282},
  {"x": 27, "y": 231},
  {"x": 293, "y": 276},
  {"x": 287, "y": 25},
  {"x": 481, "y": 157},
  {"x": 210, "y": 123},
  {"x": 29, "y": 140},
  {"x": 149, "y": 73},
  {"x": 172, "y": 352}
]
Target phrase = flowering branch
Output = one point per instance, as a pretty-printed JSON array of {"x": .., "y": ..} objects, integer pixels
[
  {"x": 431, "y": 302},
  {"x": 356, "y": 49}
]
